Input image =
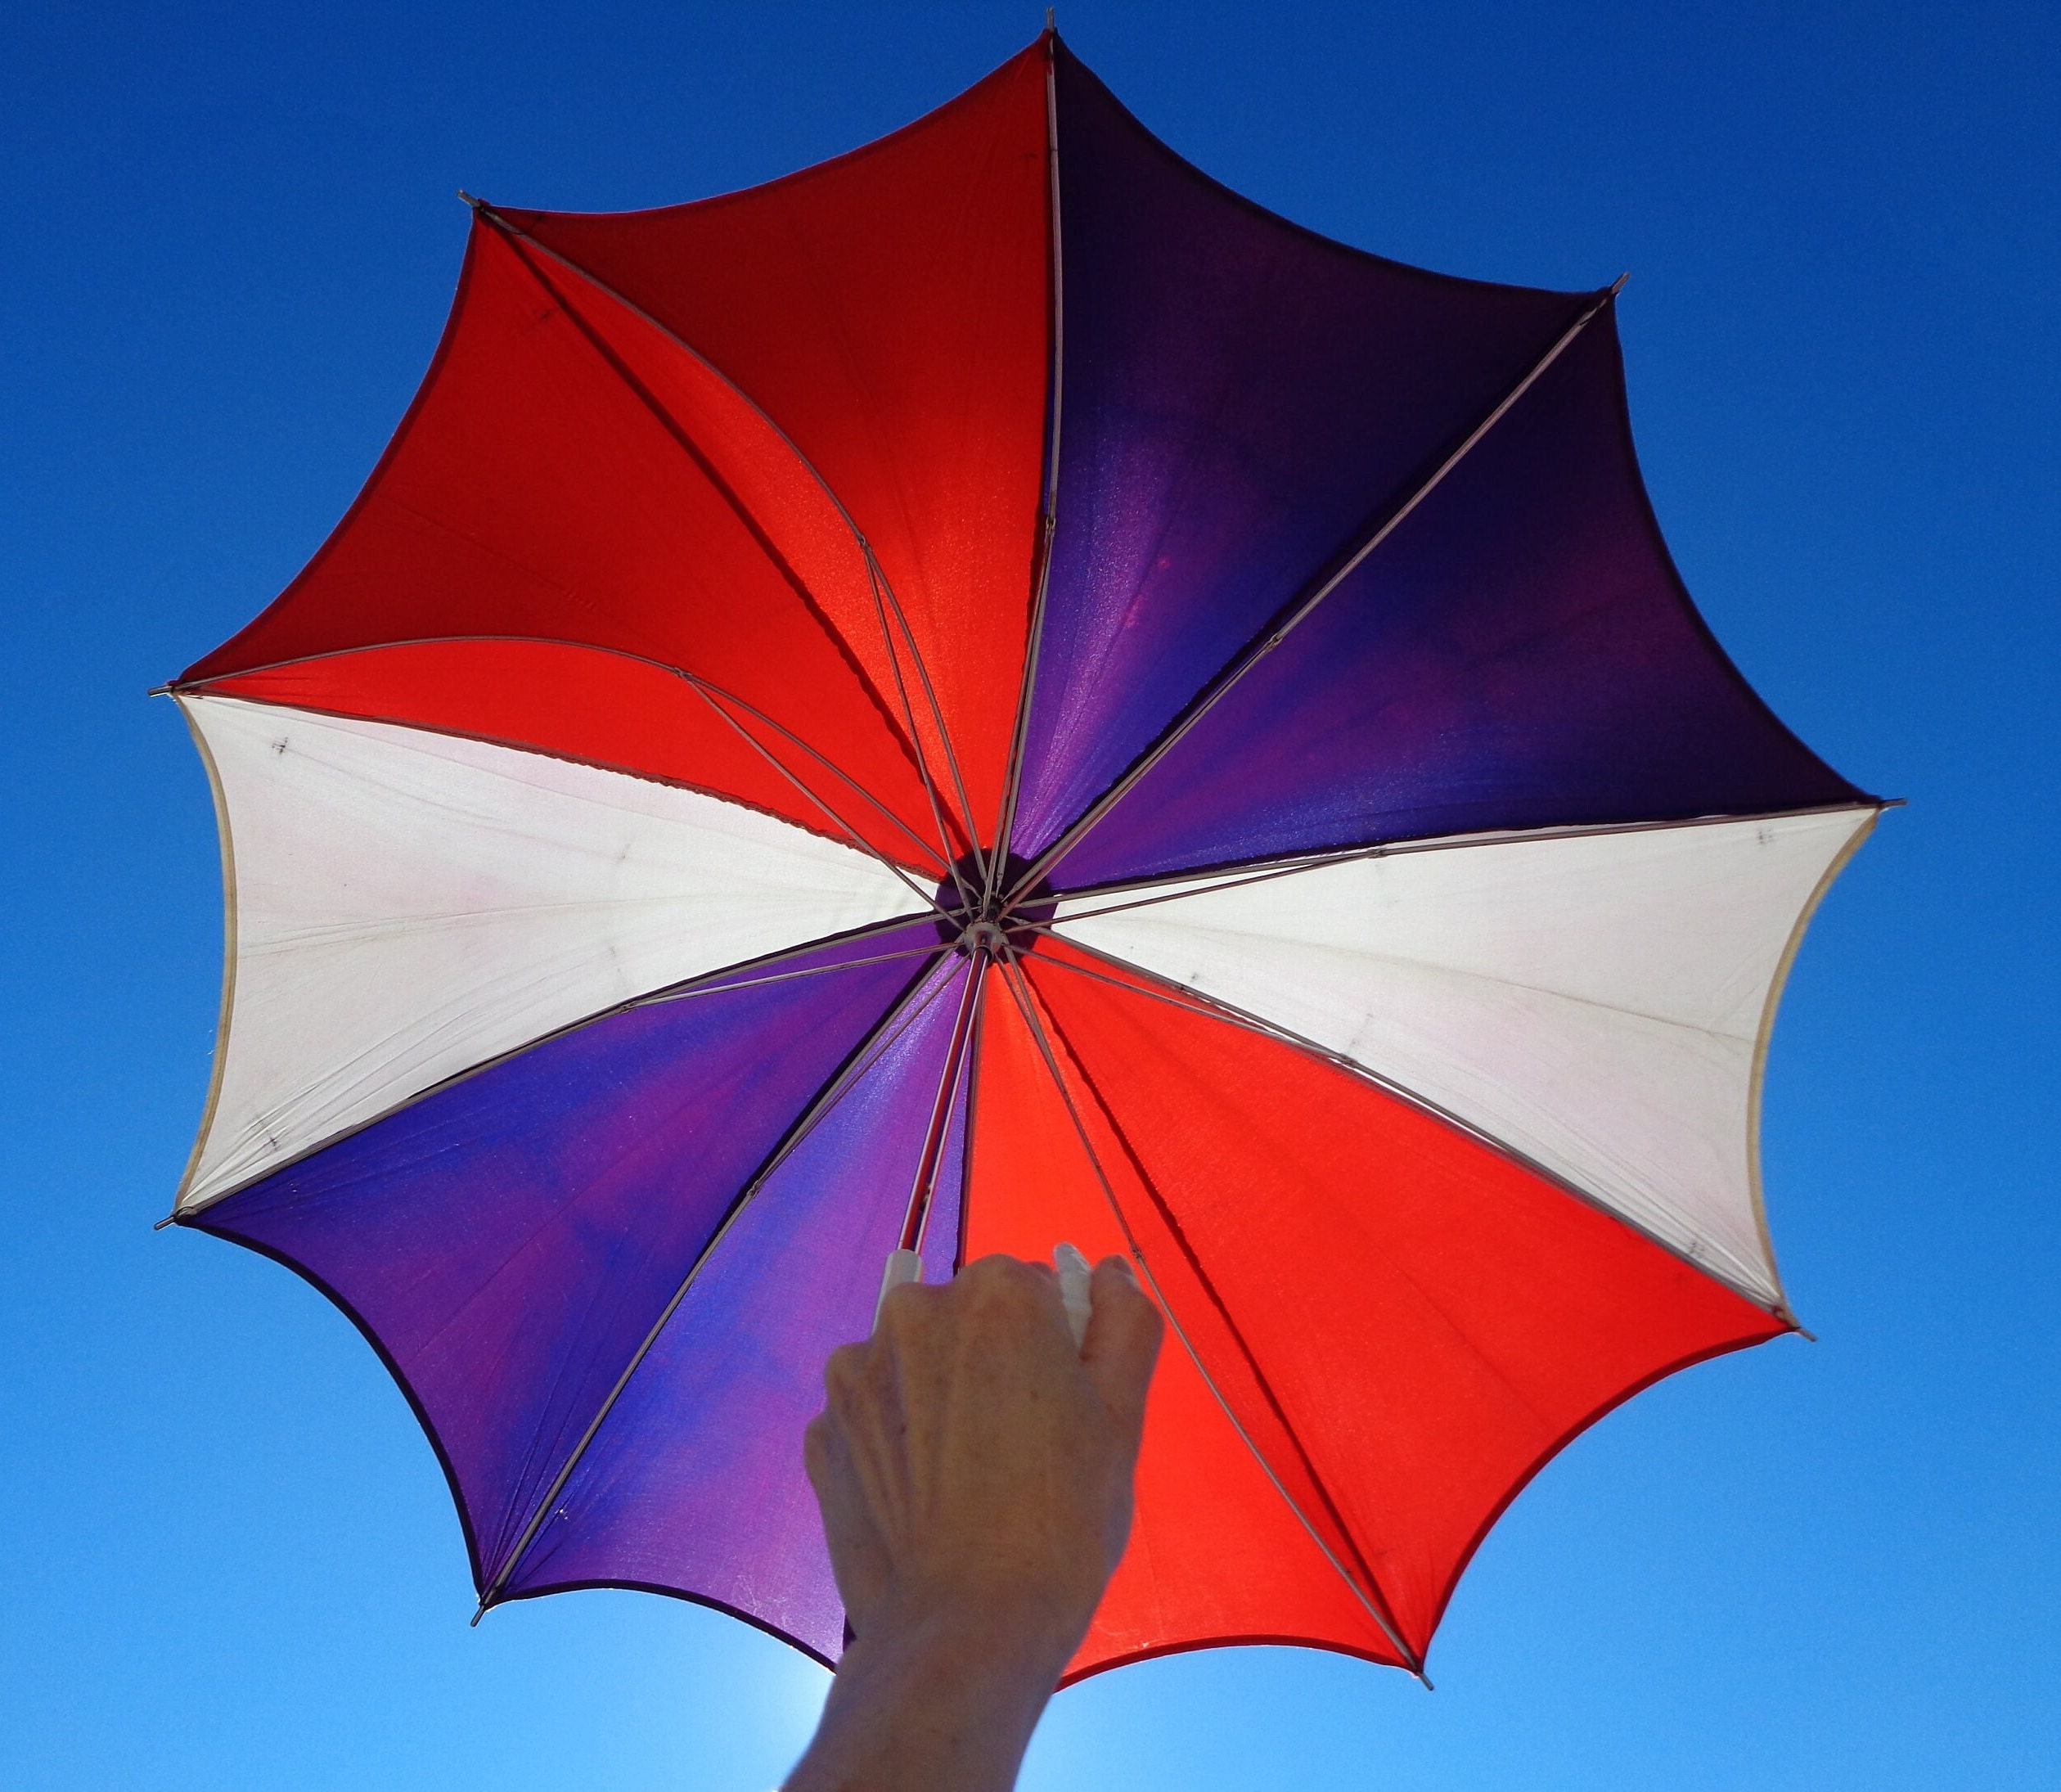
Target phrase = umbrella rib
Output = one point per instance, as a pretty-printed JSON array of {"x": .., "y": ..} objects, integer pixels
[
  {"x": 684, "y": 440},
  {"x": 1206, "y": 883},
  {"x": 937, "y": 714},
  {"x": 916, "y": 1218},
  {"x": 1187, "y": 1250},
  {"x": 913, "y": 743},
  {"x": 745, "y": 735},
  {"x": 876, "y": 582},
  {"x": 715, "y": 982},
  {"x": 1019, "y": 989},
  {"x": 1048, "y": 522},
  {"x": 883, "y": 587},
  {"x": 707, "y": 983},
  {"x": 1197, "y": 1002},
  {"x": 205, "y": 688},
  {"x": 1228, "y": 679},
  {"x": 901, "y": 1014},
  {"x": 966, "y": 1142},
  {"x": 709, "y": 988},
  {"x": 828, "y": 764}
]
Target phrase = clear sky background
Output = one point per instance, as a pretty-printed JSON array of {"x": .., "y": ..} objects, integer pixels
[{"x": 231, "y": 237}]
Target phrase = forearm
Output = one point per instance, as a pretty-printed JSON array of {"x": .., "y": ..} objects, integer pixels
[{"x": 947, "y": 1706}]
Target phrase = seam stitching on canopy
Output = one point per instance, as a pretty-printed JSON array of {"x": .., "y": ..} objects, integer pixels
[
  {"x": 883, "y": 587},
  {"x": 1430, "y": 967},
  {"x": 875, "y": 580},
  {"x": 1205, "y": 879},
  {"x": 208, "y": 687},
  {"x": 1048, "y": 521}
]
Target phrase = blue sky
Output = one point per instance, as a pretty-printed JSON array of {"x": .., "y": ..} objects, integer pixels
[{"x": 232, "y": 236}]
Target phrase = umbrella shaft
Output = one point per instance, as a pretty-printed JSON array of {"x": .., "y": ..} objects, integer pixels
[{"x": 933, "y": 1141}]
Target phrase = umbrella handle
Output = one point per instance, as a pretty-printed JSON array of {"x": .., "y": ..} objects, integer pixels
[
  {"x": 1074, "y": 1276},
  {"x": 902, "y": 1266}
]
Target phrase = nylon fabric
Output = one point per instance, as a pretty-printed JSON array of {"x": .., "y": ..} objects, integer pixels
[
  {"x": 600, "y": 709},
  {"x": 511, "y": 1239},
  {"x": 695, "y": 1481},
  {"x": 568, "y": 473},
  {"x": 409, "y": 905},
  {"x": 1594, "y": 1002},
  {"x": 1434, "y": 1321},
  {"x": 1216, "y": 1554},
  {"x": 891, "y": 311},
  {"x": 1520, "y": 653},
  {"x": 1240, "y": 397}
]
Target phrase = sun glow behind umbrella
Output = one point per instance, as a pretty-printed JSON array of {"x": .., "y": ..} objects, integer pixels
[{"x": 988, "y": 692}]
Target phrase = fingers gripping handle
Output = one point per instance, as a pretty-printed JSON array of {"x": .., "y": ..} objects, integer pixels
[{"x": 1074, "y": 1278}]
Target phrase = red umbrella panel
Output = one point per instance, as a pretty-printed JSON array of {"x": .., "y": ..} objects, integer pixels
[{"x": 986, "y": 693}]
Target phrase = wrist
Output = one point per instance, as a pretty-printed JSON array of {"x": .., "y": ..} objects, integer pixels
[
  {"x": 1017, "y": 1628},
  {"x": 988, "y": 1645},
  {"x": 948, "y": 1697}
]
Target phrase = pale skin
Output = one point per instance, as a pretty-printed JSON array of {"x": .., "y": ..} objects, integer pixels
[{"x": 974, "y": 1473}]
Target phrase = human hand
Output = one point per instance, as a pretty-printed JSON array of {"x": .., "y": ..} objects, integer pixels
[{"x": 974, "y": 1473}]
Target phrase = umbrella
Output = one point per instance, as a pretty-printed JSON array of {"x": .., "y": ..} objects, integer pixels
[{"x": 988, "y": 692}]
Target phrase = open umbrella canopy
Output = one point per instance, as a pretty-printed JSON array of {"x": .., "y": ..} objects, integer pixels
[{"x": 988, "y": 692}]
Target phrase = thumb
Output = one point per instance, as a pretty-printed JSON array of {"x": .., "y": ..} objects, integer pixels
[{"x": 1123, "y": 1341}]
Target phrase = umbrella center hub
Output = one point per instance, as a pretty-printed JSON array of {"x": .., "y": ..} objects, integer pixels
[{"x": 975, "y": 919}]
